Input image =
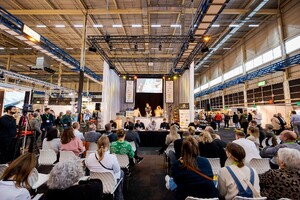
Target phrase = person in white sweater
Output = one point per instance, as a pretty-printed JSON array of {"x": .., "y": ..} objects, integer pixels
[
  {"x": 14, "y": 181},
  {"x": 52, "y": 142},
  {"x": 231, "y": 180}
]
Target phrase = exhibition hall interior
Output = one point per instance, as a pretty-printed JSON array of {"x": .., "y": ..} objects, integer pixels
[{"x": 149, "y": 99}]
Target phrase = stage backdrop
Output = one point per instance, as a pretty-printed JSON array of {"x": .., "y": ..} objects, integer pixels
[{"x": 153, "y": 99}]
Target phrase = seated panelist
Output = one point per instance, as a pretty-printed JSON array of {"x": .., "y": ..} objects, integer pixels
[
  {"x": 165, "y": 125},
  {"x": 139, "y": 125},
  {"x": 152, "y": 126}
]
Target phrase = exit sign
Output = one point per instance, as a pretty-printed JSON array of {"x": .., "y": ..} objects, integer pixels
[{"x": 262, "y": 83}]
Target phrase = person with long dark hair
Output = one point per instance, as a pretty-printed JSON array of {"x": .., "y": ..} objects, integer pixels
[
  {"x": 14, "y": 182},
  {"x": 192, "y": 173}
]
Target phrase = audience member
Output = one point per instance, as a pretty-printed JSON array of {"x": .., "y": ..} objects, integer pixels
[
  {"x": 66, "y": 119},
  {"x": 235, "y": 120},
  {"x": 111, "y": 135},
  {"x": 103, "y": 161},
  {"x": 113, "y": 124},
  {"x": 253, "y": 133},
  {"x": 132, "y": 136},
  {"x": 192, "y": 131},
  {"x": 244, "y": 121},
  {"x": 77, "y": 133},
  {"x": 92, "y": 135},
  {"x": 139, "y": 125},
  {"x": 172, "y": 136},
  {"x": 282, "y": 123},
  {"x": 71, "y": 143},
  {"x": 175, "y": 122},
  {"x": 288, "y": 139},
  {"x": 195, "y": 124},
  {"x": 257, "y": 117},
  {"x": 212, "y": 133},
  {"x": 248, "y": 146},
  {"x": 210, "y": 149},
  {"x": 14, "y": 181},
  {"x": 47, "y": 122},
  {"x": 52, "y": 142},
  {"x": 8, "y": 132},
  {"x": 165, "y": 125},
  {"x": 178, "y": 145},
  {"x": 63, "y": 183},
  {"x": 262, "y": 135},
  {"x": 295, "y": 122},
  {"x": 35, "y": 125},
  {"x": 121, "y": 146},
  {"x": 285, "y": 181},
  {"x": 276, "y": 124},
  {"x": 231, "y": 178},
  {"x": 270, "y": 139},
  {"x": 192, "y": 173}
]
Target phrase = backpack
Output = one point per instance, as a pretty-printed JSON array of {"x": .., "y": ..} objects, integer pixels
[{"x": 242, "y": 192}]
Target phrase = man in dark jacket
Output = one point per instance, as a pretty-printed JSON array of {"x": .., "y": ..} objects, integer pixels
[
  {"x": 8, "y": 131},
  {"x": 132, "y": 136},
  {"x": 111, "y": 135},
  {"x": 47, "y": 122}
]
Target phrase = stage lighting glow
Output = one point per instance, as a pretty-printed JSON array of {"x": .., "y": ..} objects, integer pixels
[
  {"x": 124, "y": 77},
  {"x": 206, "y": 38}
]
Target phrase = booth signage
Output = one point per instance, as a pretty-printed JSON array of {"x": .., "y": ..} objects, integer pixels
[
  {"x": 129, "y": 92},
  {"x": 169, "y": 92}
]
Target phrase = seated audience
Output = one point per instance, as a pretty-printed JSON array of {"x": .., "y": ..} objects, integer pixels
[
  {"x": 170, "y": 138},
  {"x": 193, "y": 174},
  {"x": 212, "y": 132},
  {"x": 121, "y": 146},
  {"x": 231, "y": 178},
  {"x": 249, "y": 146},
  {"x": 270, "y": 139},
  {"x": 77, "y": 133},
  {"x": 63, "y": 183},
  {"x": 288, "y": 139},
  {"x": 52, "y": 142},
  {"x": 128, "y": 123},
  {"x": 132, "y": 136},
  {"x": 92, "y": 137},
  {"x": 175, "y": 122},
  {"x": 152, "y": 126},
  {"x": 71, "y": 143},
  {"x": 113, "y": 124},
  {"x": 285, "y": 181},
  {"x": 192, "y": 131},
  {"x": 165, "y": 125},
  {"x": 103, "y": 161},
  {"x": 210, "y": 149},
  {"x": 195, "y": 124},
  {"x": 261, "y": 131},
  {"x": 276, "y": 124},
  {"x": 253, "y": 133},
  {"x": 14, "y": 181},
  {"x": 139, "y": 125},
  {"x": 178, "y": 145},
  {"x": 111, "y": 135}
]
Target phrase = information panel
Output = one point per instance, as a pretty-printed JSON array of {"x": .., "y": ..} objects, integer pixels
[
  {"x": 129, "y": 92},
  {"x": 169, "y": 92}
]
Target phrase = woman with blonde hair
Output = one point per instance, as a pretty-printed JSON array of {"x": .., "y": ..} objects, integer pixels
[
  {"x": 14, "y": 181},
  {"x": 71, "y": 143},
  {"x": 103, "y": 161},
  {"x": 172, "y": 136},
  {"x": 193, "y": 174},
  {"x": 254, "y": 135}
]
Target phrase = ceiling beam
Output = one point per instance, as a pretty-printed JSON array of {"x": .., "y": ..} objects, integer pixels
[{"x": 132, "y": 11}]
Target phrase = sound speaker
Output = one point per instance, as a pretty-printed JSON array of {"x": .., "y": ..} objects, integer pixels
[
  {"x": 97, "y": 106},
  {"x": 207, "y": 107}
]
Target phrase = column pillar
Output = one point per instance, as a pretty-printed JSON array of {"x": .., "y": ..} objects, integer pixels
[
  {"x": 8, "y": 67},
  {"x": 191, "y": 93},
  {"x": 82, "y": 63},
  {"x": 59, "y": 74}
]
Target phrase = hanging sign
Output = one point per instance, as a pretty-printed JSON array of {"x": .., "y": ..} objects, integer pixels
[
  {"x": 129, "y": 92},
  {"x": 169, "y": 92}
]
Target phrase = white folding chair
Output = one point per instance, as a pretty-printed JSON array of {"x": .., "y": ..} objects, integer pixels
[
  {"x": 47, "y": 157},
  {"x": 261, "y": 165},
  {"x": 37, "y": 179},
  {"x": 2, "y": 168},
  {"x": 133, "y": 146},
  {"x": 66, "y": 155},
  {"x": 89, "y": 153},
  {"x": 215, "y": 165},
  {"x": 195, "y": 198},
  {"x": 247, "y": 198},
  {"x": 123, "y": 160},
  {"x": 108, "y": 181}
]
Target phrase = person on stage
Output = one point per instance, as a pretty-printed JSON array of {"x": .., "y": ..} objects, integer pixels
[
  {"x": 137, "y": 113},
  {"x": 165, "y": 125},
  {"x": 152, "y": 126},
  {"x": 127, "y": 123},
  {"x": 148, "y": 110},
  {"x": 158, "y": 111},
  {"x": 139, "y": 125}
]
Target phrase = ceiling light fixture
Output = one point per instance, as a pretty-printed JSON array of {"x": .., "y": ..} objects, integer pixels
[
  {"x": 60, "y": 26},
  {"x": 215, "y": 25},
  {"x": 117, "y": 25},
  {"x": 175, "y": 25},
  {"x": 41, "y": 26},
  {"x": 253, "y": 25},
  {"x": 97, "y": 25},
  {"x": 136, "y": 25},
  {"x": 155, "y": 25},
  {"x": 78, "y": 25},
  {"x": 206, "y": 39},
  {"x": 234, "y": 25},
  {"x": 69, "y": 48}
]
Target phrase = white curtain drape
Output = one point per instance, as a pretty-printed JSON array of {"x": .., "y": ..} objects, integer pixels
[
  {"x": 110, "y": 94},
  {"x": 186, "y": 89}
]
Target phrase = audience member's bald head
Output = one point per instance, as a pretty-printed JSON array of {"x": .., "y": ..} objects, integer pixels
[{"x": 287, "y": 135}]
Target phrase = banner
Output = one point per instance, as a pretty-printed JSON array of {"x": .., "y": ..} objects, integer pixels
[
  {"x": 129, "y": 92},
  {"x": 169, "y": 92},
  {"x": 184, "y": 118}
]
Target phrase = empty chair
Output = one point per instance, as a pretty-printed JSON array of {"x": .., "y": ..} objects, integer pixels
[
  {"x": 47, "y": 157},
  {"x": 248, "y": 198},
  {"x": 66, "y": 155},
  {"x": 108, "y": 181},
  {"x": 260, "y": 165},
  {"x": 215, "y": 165}
]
